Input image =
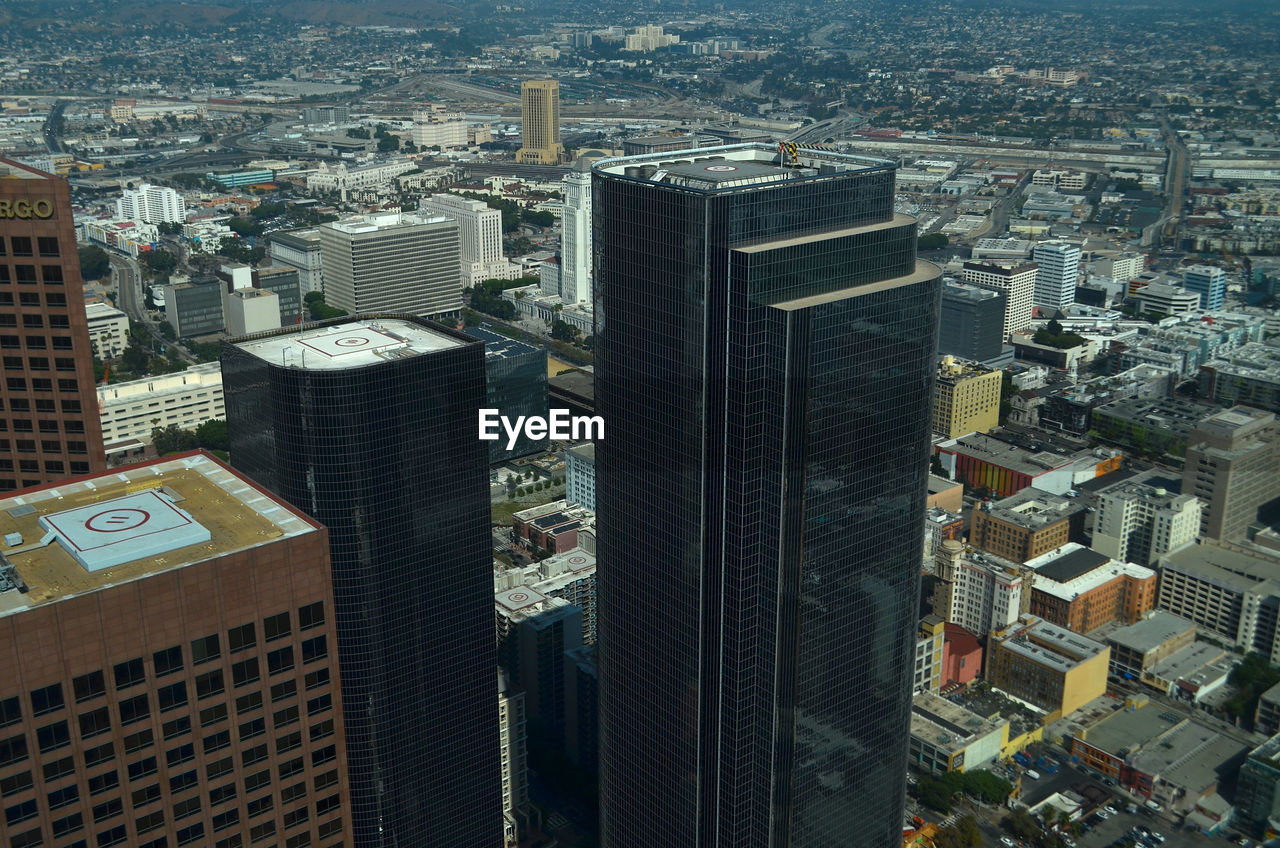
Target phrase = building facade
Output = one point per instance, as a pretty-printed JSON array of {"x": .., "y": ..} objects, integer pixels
[
  {"x": 185, "y": 691},
  {"x": 977, "y": 591},
  {"x": 515, "y": 384},
  {"x": 966, "y": 398},
  {"x": 392, "y": 262},
  {"x": 108, "y": 330},
  {"x": 1027, "y": 524},
  {"x": 973, "y": 322},
  {"x": 1047, "y": 665},
  {"x": 194, "y": 308},
  {"x": 1081, "y": 589},
  {"x": 580, "y": 476},
  {"x": 733, "y": 383},
  {"x": 50, "y": 410},
  {"x": 1017, "y": 280},
  {"x": 479, "y": 231},
  {"x": 575, "y": 235},
  {"x": 1229, "y": 593},
  {"x": 1057, "y": 274},
  {"x": 184, "y": 399},
  {"x": 285, "y": 282},
  {"x": 1208, "y": 282},
  {"x": 1140, "y": 523},
  {"x": 300, "y": 249},
  {"x": 1233, "y": 467},
  {"x": 151, "y": 204},
  {"x": 540, "y": 123},
  {"x": 369, "y": 425},
  {"x": 513, "y": 736}
]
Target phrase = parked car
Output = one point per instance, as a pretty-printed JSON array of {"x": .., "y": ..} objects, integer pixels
[{"x": 1032, "y": 773}]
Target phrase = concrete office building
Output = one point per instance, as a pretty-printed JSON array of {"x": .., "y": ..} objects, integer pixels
[
  {"x": 719, "y": 360},
  {"x": 48, "y": 407},
  {"x": 370, "y": 423},
  {"x": 580, "y": 476},
  {"x": 479, "y": 233},
  {"x": 251, "y": 311},
  {"x": 513, "y": 738},
  {"x": 930, "y": 646},
  {"x": 1229, "y": 593},
  {"x": 540, "y": 123},
  {"x": 392, "y": 262},
  {"x": 966, "y": 398},
  {"x": 436, "y": 127},
  {"x": 1017, "y": 280},
  {"x": 1233, "y": 467},
  {"x": 325, "y": 115},
  {"x": 300, "y": 249},
  {"x": 948, "y": 737},
  {"x": 1047, "y": 665},
  {"x": 1027, "y": 524},
  {"x": 1208, "y": 282},
  {"x": 194, "y": 308},
  {"x": 1057, "y": 274},
  {"x": 185, "y": 399},
  {"x": 1249, "y": 375},
  {"x": 152, "y": 205},
  {"x": 972, "y": 322},
  {"x": 285, "y": 282},
  {"x": 1142, "y": 645},
  {"x": 1164, "y": 299},
  {"x": 1140, "y": 523},
  {"x": 575, "y": 235},
  {"x": 185, "y": 689},
  {"x": 662, "y": 143},
  {"x": 1151, "y": 425},
  {"x": 108, "y": 330},
  {"x": 1267, "y": 717},
  {"x": 1081, "y": 589},
  {"x": 977, "y": 591}
]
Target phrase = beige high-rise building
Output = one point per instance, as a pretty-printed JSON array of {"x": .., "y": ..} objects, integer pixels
[
  {"x": 1017, "y": 280},
  {"x": 966, "y": 398},
  {"x": 1233, "y": 467},
  {"x": 540, "y": 123}
]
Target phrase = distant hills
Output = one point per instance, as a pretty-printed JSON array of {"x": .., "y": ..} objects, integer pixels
[{"x": 202, "y": 14}]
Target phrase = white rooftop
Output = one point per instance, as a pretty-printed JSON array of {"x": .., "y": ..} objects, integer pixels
[
  {"x": 352, "y": 344},
  {"x": 107, "y": 533}
]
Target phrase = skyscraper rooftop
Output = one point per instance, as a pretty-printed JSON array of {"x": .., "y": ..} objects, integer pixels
[
  {"x": 353, "y": 344},
  {"x": 721, "y": 168}
]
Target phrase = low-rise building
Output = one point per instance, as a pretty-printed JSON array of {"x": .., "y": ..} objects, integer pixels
[
  {"x": 966, "y": 398},
  {"x": 250, "y": 310},
  {"x": 947, "y": 737},
  {"x": 1266, "y": 718},
  {"x": 1164, "y": 299},
  {"x": 1249, "y": 375},
  {"x": 1192, "y": 673},
  {"x": 1230, "y": 593},
  {"x": 1081, "y": 589},
  {"x": 570, "y": 575},
  {"x": 1140, "y": 646},
  {"x": 961, "y": 657},
  {"x": 982, "y": 461},
  {"x": 186, "y": 399},
  {"x": 1047, "y": 666},
  {"x": 1027, "y": 524},
  {"x": 945, "y": 494},
  {"x": 108, "y": 330},
  {"x": 1149, "y": 426},
  {"x": 554, "y": 526},
  {"x": 194, "y": 308}
]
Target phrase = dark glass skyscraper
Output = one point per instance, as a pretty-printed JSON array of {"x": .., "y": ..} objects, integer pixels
[
  {"x": 369, "y": 426},
  {"x": 765, "y": 359}
]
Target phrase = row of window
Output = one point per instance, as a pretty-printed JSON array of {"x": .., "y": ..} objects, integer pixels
[
  {"x": 21, "y": 246},
  {"x": 26, "y": 275}
]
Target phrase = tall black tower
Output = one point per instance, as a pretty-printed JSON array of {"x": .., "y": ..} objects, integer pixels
[
  {"x": 765, "y": 359},
  {"x": 369, "y": 426}
]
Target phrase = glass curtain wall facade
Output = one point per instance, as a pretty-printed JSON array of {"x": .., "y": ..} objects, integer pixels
[
  {"x": 765, "y": 361},
  {"x": 385, "y": 455}
]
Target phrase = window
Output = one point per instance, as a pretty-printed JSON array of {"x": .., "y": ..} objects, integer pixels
[
  {"x": 217, "y": 741},
  {"x": 324, "y": 805},
  {"x": 230, "y": 818},
  {"x": 100, "y": 754},
  {"x": 168, "y": 661},
  {"x": 52, "y": 276},
  {"x": 260, "y": 779},
  {"x": 289, "y": 741},
  {"x": 134, "y": 709},
  {"x": 30, "y": 839},
  {"x": 142, "y": 768},
  {"x": 10, "y": 711},
  {"x": 181, "y": 754},
  {"x": 205, "y": 649},
  {"x": 322, "y": 730},
  {"x": 319, "y": 704},
  {"x": 172, "y": 697},
  {"x": 293, "y": 793},
  {"x": 66, "y": 826},
  {"x": 285, "y": 717},
  {"x": 319, "y": 677},
  {"x": 51, "y": 737},
  {"x": 314, "y": 649},
  {"x": 15, "y": 384},
  {"x": 280, "y": 660},
  {"x": 311, "y": 616},
  {"x": 222, "y": 794},
  {"x": 186, "y": 808},
  {"x": 245, "y": 672},
  {"x": 329, "y": 778},
  {"x": 145, "y": 795},
  {"x": 301, "y": 840},
  {"x": 183, "y": 782},
  {"x": 209, "y": 684},
  {"x": 13, "y": 750},
  {"x": 276, "y": 627},
  {"x": 21, "y": 812},
  {"x": 233, "y": 841},
  {"x": 290, "y": 768},
  {"x": 190, "y": 834},
  {"x": 286, "y": 689},
  {"x": 139, "y": 741},
  {"x": 256, "y": 754},
  {"x": 176, "y": 728},
  {"x": 47, "y": 700},
  {"x": 62, "y": 797},
  {"x": 253, "y": 728},
  {"x": 258, "y": 806},
  {"x": 108, "y": 810},
  {"x": 260, "y": 832},
  {"x": 150, "y": 822},
  {"x": 21, "y": 245},
  {"x": 104, "y": 782},
  {"x": 47, "y": 245},
  {"x": 16, "y": 783},
  {"x": 246, "y": 703},
  {"x": 213, "y": 715},
  {"x": 129, "y": 673},
  {"x": 219, "y": 768},
  {"x": 241, "y": 638},
  {"x": 324, "y": 755}
]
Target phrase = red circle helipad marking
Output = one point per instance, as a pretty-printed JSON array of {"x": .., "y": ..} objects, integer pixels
[
  {"x": 721, "y": 168},
  {"x": 518, "y": 597},
  {"x": 117, "y": 520},
  {"x": 350, "y": 341}
]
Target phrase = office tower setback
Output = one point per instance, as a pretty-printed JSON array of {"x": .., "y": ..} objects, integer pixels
[
  {"x": 392, "y": 262},
  {"x": 1208, "y": 282},
  {"x": 540, "y": 123},
  {"x": 48, "y": 407},
  {"x": 972, "y": 325},
  {"x": 169, "y": 668},
  {"x": 1057, "y": 274},
  {"x": 369, "y": 425},
  {"x": 575, "y": 235},
  {"x": 765, "y": 359},
  {"x": 1017, "y": 280},
  {"x": 300, "y": 249}
]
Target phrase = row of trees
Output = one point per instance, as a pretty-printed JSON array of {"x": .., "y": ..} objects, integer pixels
[
  {"x": 211, "y": 435},
  {"x": 938, "y": 792}
]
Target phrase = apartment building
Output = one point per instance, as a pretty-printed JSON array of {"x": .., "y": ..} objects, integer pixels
[
  {"x": 966, "y": 398},
  {"x": 1047, "y": 665},
  {"x": 1081, "y": 589},
  {"x": 1139, "y": 523}
]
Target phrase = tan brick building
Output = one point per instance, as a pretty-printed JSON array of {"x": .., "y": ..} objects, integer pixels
[
  {"x": 966, "y": 398},
  {"x": 1028, "y": 524}
]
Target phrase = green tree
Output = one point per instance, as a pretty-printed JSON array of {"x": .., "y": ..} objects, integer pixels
[
  {"x": 563, "y": 331},
  {"x": 212, "y": 435},
  {"x": 245, "y": 227},
  {"x": 166, "y": 330},
  {"x": 172, "y": 439},
  {"x": 986, "y": 786},
  {"x": 94, "y": 262},
  {"x": 963, "y": 834},
  {"x": 161, "y": 262},
  {"x": 358, "y": 132},
  {"x": 932, "y": 241},
  {"x": 389, "y": 142}
]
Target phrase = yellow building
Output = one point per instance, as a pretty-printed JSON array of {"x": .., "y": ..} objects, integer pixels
[
  {"x": 540, "y": 123},
  {"x": 966, "y": 398},
  {"x": 948, "y": 737},
  {"x": 1046, "y": 665}
]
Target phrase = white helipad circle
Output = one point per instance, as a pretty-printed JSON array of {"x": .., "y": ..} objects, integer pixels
[
  {"x": 517, "y": 597},
  {"x": 351, "y": 341},
  {"x": 117, "y": 520},
  {"x": 721, "y": 168}
]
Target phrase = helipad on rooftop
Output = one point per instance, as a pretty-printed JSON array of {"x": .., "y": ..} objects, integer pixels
[
  {"x": 733, "y": 166},
  {"x": 77, "y": 537},
  {"x": 351, "y": 344}
]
